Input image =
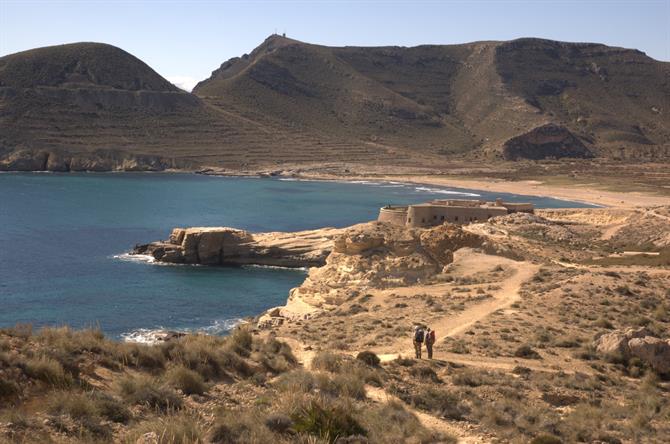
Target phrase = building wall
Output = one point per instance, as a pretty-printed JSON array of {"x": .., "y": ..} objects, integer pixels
[
  {"x": 394, "y": 215},
  {"x": 427, "y": 216}
]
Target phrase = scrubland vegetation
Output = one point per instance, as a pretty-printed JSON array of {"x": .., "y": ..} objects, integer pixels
[{"x": 60, "y": 385}]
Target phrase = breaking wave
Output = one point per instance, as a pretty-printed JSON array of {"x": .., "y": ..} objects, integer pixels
[
  {"x": 152, "y": 336},
  {"x": 441, "y": 191}
]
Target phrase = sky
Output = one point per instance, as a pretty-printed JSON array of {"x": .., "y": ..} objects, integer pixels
[{"x": 186, "y": 40}]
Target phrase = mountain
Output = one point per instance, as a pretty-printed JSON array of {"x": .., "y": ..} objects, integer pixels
[
  {"x": 91, "y": 106},
  {"x": 460, "y": 99}
]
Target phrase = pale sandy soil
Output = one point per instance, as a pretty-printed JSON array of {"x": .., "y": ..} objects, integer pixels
[{"x": 577, "y": 192}]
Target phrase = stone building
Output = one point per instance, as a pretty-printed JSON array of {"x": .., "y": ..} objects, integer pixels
[{"x": 455, "y": 211}]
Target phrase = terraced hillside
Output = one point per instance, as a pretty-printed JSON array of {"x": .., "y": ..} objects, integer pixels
[
  {"x": 90, "y": 106},
  {"x": 455, "y": 100}
]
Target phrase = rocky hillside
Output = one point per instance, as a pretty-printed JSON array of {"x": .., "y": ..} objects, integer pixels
[
  {"x": 90, "y": 106},
  {"x": 455, "y": 99}
]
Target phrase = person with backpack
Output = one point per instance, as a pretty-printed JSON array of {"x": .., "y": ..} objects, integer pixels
[
  {"x": 418, "y": 340},
  {"x": 430, "y": 340}
]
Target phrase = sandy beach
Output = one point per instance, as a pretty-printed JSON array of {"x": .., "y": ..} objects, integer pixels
[{"x": 577, "y": 192}]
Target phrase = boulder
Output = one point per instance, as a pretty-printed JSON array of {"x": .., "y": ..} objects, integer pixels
[
  {"x": 616, "y": 343},
  {"x": 654, "y": 352}
]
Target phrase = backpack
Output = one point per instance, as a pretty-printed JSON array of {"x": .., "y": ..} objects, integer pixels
[{"x": 418, "y": 335}]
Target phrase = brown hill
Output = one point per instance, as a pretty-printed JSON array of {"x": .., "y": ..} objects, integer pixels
[
  {"x": 90, "y": 106},
  {"x": 455, "y": 99}
]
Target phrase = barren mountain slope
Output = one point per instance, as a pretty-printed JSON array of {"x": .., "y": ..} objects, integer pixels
[
  {"x": 90, "y": 106},
  {"x": 453, "y": 99}
]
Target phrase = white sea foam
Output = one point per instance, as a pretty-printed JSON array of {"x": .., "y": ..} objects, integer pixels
[
  {"x": 129, "y": 257},
  {"x": 153, "y": 336},
  {"x": 441, "y": 191},
  {"x": 275, "y": 267}
]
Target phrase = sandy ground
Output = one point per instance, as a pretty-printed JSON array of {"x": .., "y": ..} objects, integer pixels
[{"x": 577, "y": 193}]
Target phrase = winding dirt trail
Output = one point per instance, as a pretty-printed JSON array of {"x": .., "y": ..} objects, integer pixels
[
  {"x": 450, "y": 326},
  {"x": 453, "y": 326}
]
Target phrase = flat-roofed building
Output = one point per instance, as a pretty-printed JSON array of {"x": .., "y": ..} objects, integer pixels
[{"x": 454, "y": 211}]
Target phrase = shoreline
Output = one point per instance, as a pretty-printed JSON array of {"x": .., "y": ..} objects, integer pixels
[
  {"x": 586, "y": 195},
  {"x": 576, "y": 193}
]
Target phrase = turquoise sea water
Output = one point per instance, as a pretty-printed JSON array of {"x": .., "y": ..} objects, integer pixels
[{"x": 61, "y": 237}]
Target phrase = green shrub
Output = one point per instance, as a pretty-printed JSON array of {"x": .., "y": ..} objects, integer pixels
[
  {"x": 9, "y": 389},
  {"x": 172, "y": 429},
  {"x": 146, "y": 391},
  {"x": 546, "y": 439},
  {"x": 241, "y": 427},
  {"x": 425, "y": 373},
  {"x": 279, "y": 423},
  {"x": 186, "y": 380},
  {"x": 241, "y": 340},
  {"x": 439, "y": 401},
  {"x": 472, "y": 378},
  {"x": 147, "y": 357},
  {"x": 328, "y": 422},
  {"x": 369, "y": 358},
  {"x": 327, "y": 361},
  {"x": 110, "y": 408},
  {"x": 297, "y": 381},
  {"x": 82, "y": 409},
  {"x": 48, "y": 370},
  {"x": 527, "y": 352}
]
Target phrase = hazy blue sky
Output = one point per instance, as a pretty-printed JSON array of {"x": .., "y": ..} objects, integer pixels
[{"x": 189, "y": 39}]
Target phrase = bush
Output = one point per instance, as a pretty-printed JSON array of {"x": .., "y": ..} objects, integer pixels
[
  {"x": 546, "y": 439},
  {"x": 526, "y": 352},
  {"x": 369, "y": 358},
  {"x": 241, "y": 340},
  {"x": 439, "y": 401},
  {"x": 81, "y": 409},
  {"x": 425, "y": 373},
  {"x": 49, "y": 371},
  {"x": 147, "y": 357},
  {"x": 472, "y": 378},
  {"x": 186, "y": 380},
  {"x": 327, "y": 361},
  {"x": 145, "y": 391},
  {"x": 241, "y": 427},
  {"x": 9, "y": 389},
  {"x": 174, "y": 429},
  {"x": 328, "y": 422},
  {"x": 279, "y": 423},
  {"x": 77, "y": 406},
  {"x": 111, "y": 408}
]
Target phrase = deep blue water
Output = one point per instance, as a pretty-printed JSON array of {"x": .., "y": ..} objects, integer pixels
[{"x": 59, "y": 235}]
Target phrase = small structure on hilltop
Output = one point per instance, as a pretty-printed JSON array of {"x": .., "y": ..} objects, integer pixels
[{"x": 455, "y": 211}]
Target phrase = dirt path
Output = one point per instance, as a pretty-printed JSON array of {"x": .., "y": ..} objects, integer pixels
[
  {"x": 453, "y": 428},
  {"x": 454, "y": 325}
]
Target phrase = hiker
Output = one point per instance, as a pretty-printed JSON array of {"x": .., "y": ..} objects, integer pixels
[
  {"x": 418, "y": 340},
  {"x": 430, "y": 340}
]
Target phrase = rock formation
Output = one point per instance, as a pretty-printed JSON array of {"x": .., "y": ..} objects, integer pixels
[
  {"x": 639, "y": 343},
  {"x": 230, "y": 246},
  {"x": 378, "y": 255}
]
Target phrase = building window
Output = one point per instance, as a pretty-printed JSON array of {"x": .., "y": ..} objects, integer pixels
[
  {"x": 442, "y": 218},
  {"x": 423, "y": 221},
  {"x": 455, "y": 218},
  {"x": 409, "y": 221},
  {"x": 435, "y": 217},
  {"x": 490, "y": 216}
]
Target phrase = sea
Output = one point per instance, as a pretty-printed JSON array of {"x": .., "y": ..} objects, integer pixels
[{"x": 65, "y": 238}]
